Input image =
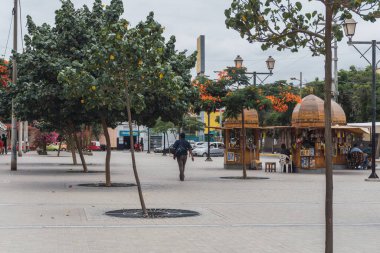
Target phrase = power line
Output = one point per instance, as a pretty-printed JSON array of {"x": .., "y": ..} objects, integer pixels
[{"x": 9, "y": 34}]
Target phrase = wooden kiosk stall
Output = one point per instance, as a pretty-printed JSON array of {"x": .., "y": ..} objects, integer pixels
[
  {"x": 308, "y": 143},
  {"x": 233, "y": 137}
]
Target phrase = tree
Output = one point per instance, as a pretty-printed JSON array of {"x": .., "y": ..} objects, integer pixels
[
  {"x": 355, "y": 94},
  {"x": 241, "y": 96},
  {"x": 190, "y": 123},
  {"x": 163, "y": 127},
  {"x": 285, "y": 25},
  {"x": 210, "y": 99},
  {"x": 45, "y": 136},
  {"x": 5, "y": 98},
  {"x": 39, "y": 95},
  {"x": 128, "y": 72},
  {"x": 283, "y": 99}
]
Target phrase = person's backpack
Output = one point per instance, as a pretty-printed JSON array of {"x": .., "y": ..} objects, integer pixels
[{"x": 179, "y": 150}]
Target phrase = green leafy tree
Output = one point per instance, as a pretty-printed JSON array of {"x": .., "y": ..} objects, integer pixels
[
  {"x": 283, "y": 99},
  {"x": 128, "y": 73},
  {"x": 286, "y": 25},
  {"x": 241, "y": 96},
  {"x": 163, "y": 127},
  {"x": 190, "y": 123},
  {"x": 86, "y": 80},
  {"x": 38, "y": 94},
  {"x": 355, "y": 94}
]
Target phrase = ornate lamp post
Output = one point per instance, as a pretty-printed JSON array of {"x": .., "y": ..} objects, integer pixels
[
  {"x": 270, "y": 62},
  {"x": 239, "y": 64},
  {"x": 349, "y": 27}
]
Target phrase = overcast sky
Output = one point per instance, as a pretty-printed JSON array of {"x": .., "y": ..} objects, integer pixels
[{"x": 188, "y": 19}]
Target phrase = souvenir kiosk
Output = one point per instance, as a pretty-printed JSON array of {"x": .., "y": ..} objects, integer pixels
[
  {"x": 308, "y": 143},
  {"x": 233, "y": 135}
]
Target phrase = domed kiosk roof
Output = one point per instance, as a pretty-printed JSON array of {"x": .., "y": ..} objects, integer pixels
[
  {"x": 310, "y": 113},
  {"x": 251, "y": 120}
]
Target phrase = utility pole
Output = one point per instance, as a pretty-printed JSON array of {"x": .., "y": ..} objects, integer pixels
[
  {"x": 148, "y": 140},
  {"x": 334, "y": 83},
  {"x": 14, "y": 80},
  {"x": 301, "y": 85},
  {"x": 334, "y": 87},
  {"x": 300, "y": 80}
]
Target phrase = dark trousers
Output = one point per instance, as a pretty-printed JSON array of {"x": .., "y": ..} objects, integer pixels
[{"x": 181, "y": 165}]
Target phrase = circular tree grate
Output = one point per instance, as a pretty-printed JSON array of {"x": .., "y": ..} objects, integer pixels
[
  {"x": 104, "y": 185},
  {"x": 81, "y": 171},
  {"x": 79, "y": 164},
  {"x": 152, "y": 213},
  {"x": 247, "y": 178}
]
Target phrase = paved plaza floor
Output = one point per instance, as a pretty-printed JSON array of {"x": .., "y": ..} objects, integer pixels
[{"x": 42, "y": 208}]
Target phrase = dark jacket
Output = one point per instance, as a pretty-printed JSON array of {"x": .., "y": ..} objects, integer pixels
[{"x": 184, "y": 146}]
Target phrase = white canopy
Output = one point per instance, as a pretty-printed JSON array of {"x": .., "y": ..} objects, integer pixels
[{"x": 366, "y": 125}]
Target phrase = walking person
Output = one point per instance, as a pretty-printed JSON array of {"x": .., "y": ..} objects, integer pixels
[
  {"x": 181, "y": 147},
  {"x": 1, "y": 147},
  {"x": 4, "y": 139}
]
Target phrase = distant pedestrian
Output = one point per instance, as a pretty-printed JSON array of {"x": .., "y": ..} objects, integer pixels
[
  {"x": 181, "y": 147},
  {"x": 1, "y": 147},
  {"x": 4, "y": 139},
  {"x": 356, "y": 149}
]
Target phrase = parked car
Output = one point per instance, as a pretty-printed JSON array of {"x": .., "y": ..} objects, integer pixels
[
  {"x": 94, "y": 146},
  {"x": 197, "y": 144},
  {"x": 161, "y": 149},
  {"x": 55, "y": 147},
  {"x": 216, "y": 149}
]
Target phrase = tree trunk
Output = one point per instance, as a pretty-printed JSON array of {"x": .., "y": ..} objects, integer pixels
[
  {"x": 164, "y": 150},
  {"x": 44, "y": 147},
  {"x": 328, "y": 135},
  {"x": 242, "y": 143},
  {"x": 167, "y": 138},
  {"x": 378, "y": 147},
  {"x": 80, "y": 151},
  {"x": 108, "y": 155},
  {"x": 142, "y": 202},
  {"x": 59, "y": 148},
  {"x": 72, "y": 147}
]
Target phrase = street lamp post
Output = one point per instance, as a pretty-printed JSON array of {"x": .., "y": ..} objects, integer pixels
[
  {"x": 238, "y": 64},
  {"x": 208, "y": 159},
  {"x": 349, "y": 27},
  {"x": 148, "y": 140},
  {"x": 270, "y": 65}
]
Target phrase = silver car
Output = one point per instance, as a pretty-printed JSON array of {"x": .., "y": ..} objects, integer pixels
[{"x": 216, "y": 149}]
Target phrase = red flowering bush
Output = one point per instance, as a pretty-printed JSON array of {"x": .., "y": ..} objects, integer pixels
[
  {"x": 43, "y": 139},
  {"x": 4, "y": 73}
]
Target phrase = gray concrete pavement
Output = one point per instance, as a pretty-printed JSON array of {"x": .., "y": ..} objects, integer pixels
[{"x": 42, "y": 208}]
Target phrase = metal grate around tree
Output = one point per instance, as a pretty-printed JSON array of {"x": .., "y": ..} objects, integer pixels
[
  {"x": 153, "y": 213},
  {"x": 104, "y": 185},
  {"x": 247, "y": 178}
]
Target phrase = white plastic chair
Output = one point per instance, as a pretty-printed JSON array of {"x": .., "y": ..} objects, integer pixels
[{"x": 287, "y": 162}]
